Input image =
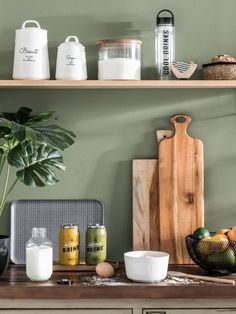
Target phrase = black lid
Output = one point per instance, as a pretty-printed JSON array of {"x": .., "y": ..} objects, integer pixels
[{"x": 165, "y": 20}]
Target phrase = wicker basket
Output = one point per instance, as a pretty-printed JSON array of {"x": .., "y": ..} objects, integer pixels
[{"x": 219, "y": 71}]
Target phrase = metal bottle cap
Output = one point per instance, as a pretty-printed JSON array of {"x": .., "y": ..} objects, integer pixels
[
  {"x": 95, "y": 226},
  {"x": 69, "y": 226}
]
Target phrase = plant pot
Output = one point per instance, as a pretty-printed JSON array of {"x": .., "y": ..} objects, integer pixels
[{"x": 4, "y": 253}]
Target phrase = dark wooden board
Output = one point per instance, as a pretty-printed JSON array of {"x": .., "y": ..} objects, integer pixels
[
  {"x": 15, "y": 285},
  {"x": 82, "y": 266}
]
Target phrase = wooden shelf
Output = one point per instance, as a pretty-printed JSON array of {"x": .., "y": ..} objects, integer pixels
[{"x": 96, "y": 84}]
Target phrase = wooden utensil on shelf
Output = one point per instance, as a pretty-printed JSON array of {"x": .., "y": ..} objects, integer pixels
[
  {"x": 146, "y": 201},
  {"x": 180, "y": 189},
  {"x": 203, "y": 278}
]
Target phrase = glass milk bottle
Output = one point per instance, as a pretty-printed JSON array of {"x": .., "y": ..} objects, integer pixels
[
  {"x": 164, "y": 44},
  {"x": 39, "y": 257}
]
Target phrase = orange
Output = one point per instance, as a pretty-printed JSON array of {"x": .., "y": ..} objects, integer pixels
[{"x": 232, "y": 233}]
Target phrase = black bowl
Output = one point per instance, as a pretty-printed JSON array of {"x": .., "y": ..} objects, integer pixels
[
  {"x": 4, "y": 253},
  {"x": 217, "y": 257}
]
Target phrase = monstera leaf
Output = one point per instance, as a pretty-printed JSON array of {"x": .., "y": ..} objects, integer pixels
[
  {"x": 33, "y": 146},
  {"x": 36, "y": 162},
  {"x": 52, "y": 135},
  {"x": 22, "y": 116}
]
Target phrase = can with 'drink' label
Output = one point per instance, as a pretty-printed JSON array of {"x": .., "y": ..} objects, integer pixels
[
  {"x": 96, "y": 244},
  {"x": 69, "y": 245}
]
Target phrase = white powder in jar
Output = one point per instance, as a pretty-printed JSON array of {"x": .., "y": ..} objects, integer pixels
[
  {"x": 39, "y": 262},
  {"x": 119, "y": 69}
]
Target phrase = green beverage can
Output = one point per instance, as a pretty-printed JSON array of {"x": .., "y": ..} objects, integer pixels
[{"x": 96, "y": 244}]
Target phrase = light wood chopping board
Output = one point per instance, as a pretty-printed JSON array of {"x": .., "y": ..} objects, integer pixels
[
  {"x": 181, "y": 183},
  {"x": 146, "y": 201}
]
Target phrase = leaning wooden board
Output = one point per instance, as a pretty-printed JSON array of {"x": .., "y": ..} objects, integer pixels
[
  {"x": 146, "y": 201},
  {"x": 181, "y": 189}
]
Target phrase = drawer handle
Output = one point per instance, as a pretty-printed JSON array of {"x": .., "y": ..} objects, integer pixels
[{"x": 156, "y": 312}]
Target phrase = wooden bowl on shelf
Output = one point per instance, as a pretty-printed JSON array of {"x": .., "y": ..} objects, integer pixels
[{"x": 183, "y": 70}]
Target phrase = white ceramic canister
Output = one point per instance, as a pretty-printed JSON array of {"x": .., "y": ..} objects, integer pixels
[
  {"x": 31, "y": 53},
  {"x": 71, "y": 60}
]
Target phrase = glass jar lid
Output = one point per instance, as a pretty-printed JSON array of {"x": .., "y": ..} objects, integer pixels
[{"x": 110, "y": 42}]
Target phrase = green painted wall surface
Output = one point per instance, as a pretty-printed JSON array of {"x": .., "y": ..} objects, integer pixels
[{"x": 115, "y": 126}]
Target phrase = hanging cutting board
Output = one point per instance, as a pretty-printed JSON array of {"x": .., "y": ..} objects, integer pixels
[
  {"x": 180, "y": 189},
  {"x": 146, "y": 201}
]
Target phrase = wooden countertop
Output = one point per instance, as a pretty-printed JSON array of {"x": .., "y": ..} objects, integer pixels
[{"x": 14, "y": 284}]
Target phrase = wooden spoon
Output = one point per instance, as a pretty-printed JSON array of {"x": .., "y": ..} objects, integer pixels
[{"x": 204, "y": 278}]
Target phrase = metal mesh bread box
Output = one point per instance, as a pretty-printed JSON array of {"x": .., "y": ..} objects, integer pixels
[{"x": 51, "y": 214}]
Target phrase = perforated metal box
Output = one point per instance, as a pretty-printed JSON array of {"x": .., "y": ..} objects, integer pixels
[{"x": 51, "y": 214}]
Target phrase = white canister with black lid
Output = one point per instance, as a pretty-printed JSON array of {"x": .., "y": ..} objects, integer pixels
[
  {"x": 31, "y": 53},
  {"x": 71, "y": 60}
]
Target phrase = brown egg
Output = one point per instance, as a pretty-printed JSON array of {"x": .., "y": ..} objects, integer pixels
[{"x": 104, "y": 270}]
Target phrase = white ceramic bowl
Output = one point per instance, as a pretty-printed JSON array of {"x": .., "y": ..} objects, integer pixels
[{"x": 146, "y": 266}]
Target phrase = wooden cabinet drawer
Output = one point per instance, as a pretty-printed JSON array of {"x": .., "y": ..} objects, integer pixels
[
  {"x": 66, "y": 311},
  {"x": 189, "y": 311}
]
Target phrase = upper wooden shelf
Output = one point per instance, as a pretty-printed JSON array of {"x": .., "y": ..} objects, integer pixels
[{"x": 96, "y": 84}]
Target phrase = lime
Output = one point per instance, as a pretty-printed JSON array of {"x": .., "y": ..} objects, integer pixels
[{"x": 201, "y": 233}]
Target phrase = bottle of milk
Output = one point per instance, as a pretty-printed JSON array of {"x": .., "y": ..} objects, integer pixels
[{"x": 39, "y": 257}]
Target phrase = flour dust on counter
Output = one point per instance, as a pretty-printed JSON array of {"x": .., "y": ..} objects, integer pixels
[{"x": 120, "y": 280}]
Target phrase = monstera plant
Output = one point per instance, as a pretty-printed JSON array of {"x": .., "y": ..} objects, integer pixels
[{"x": 33, "y": 146}]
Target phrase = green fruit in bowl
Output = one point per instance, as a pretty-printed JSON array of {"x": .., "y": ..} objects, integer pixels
[
  {"x": 222, "y": 260},
  {"x": 204, "y": 246},
  {"x": 215, "y": 244},
  {"x": 201, "y": 233}
]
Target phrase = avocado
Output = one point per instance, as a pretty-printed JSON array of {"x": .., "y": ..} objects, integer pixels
[{"x": 222, "y": 260}]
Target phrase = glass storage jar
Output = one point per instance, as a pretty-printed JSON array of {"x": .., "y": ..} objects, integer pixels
[
  {"x": 119, "y": 59},
  {"x": 39, "y": 257}
]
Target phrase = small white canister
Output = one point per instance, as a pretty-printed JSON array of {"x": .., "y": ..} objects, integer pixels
[
  {"x": 71, "y": 60},
  {"x": 31, "y": 53}
]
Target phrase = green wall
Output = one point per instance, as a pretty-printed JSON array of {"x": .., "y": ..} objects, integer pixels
[{"x": 115, "y": 126}]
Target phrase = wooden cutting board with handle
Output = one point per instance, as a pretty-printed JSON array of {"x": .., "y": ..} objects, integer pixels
[
  {"x": 146, "y": 201},
  {"x": 180, "y": 188}
]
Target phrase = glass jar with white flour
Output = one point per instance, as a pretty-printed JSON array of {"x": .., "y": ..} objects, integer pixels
[
  {"x": 119, "y": 59},
  {"x": 39, "y": 257}
]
